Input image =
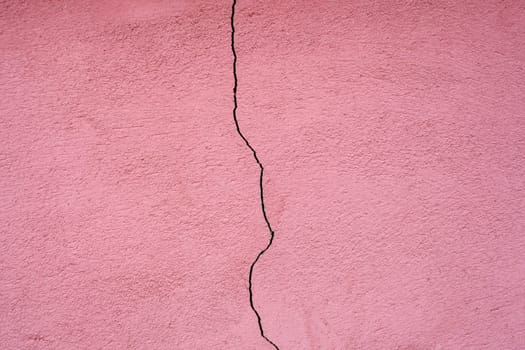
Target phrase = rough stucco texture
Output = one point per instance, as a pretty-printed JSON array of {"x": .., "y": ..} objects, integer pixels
[{"x": 393, "y": 139}]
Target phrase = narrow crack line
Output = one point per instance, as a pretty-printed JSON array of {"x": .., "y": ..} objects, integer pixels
[{"x": 272, "y": 233}]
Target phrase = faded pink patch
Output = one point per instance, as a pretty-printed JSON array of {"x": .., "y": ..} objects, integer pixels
[{"x": 392, "y": 135}]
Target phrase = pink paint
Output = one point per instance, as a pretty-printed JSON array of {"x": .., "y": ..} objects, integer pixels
[{"x": 392, "y": 136}]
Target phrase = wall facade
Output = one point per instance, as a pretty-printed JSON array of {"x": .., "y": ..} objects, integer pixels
[{"x": 392, "y": 137}]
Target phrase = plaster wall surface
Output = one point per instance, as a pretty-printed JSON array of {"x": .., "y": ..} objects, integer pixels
[{"x": 392, "y": 135}]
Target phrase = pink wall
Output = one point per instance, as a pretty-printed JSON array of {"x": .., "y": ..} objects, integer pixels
[{"x": 392, "y": 135}]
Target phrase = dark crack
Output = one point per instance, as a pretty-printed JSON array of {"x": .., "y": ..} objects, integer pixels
[{"x": 272, "y": 233}]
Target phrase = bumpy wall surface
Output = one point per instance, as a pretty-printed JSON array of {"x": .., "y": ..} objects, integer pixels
[{"x": 392, "y": 135}]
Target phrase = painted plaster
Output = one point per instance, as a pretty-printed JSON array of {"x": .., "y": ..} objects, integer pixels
[{"x": 392, "y": 138}]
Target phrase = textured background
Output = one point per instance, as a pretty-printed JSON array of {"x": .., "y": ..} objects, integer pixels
[{"x": 393, "y": 139}]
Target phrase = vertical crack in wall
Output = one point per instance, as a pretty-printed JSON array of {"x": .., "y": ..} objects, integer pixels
[{"x": 272, "y": 233}]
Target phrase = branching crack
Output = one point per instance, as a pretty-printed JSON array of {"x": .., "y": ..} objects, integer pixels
[{"x": 272, "y": 234}]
